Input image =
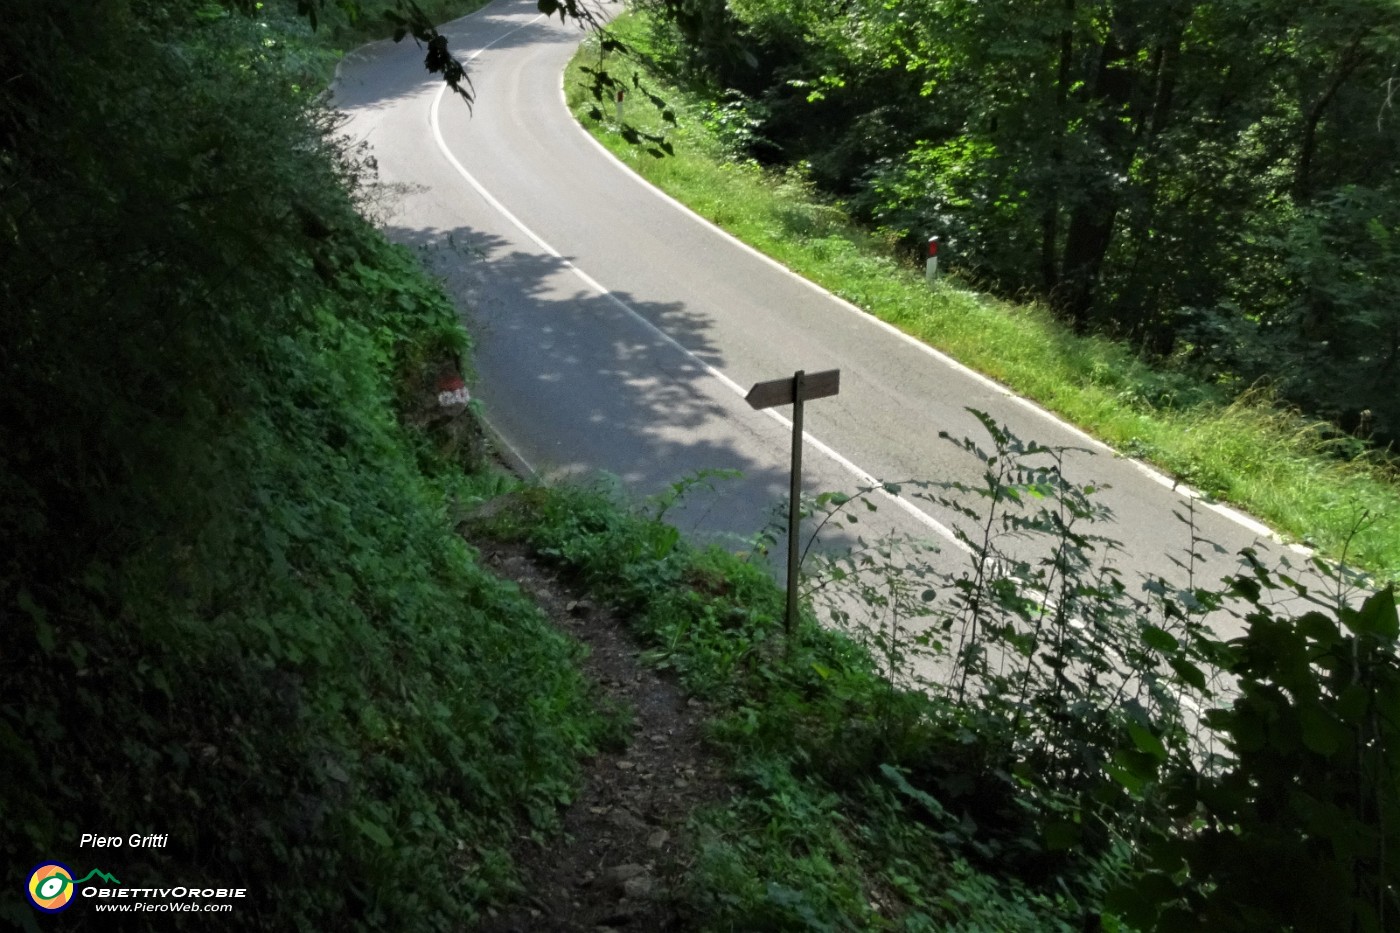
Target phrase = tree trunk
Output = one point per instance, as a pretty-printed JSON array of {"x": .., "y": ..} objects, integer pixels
[
  {"x": 1086, "y": 245},
  {"x": 1347, "y": 63},
  {"x": 1091, "y": 222},
  {"x": 1050, "y": 218}
]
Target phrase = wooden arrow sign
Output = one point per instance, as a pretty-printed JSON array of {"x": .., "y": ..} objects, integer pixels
[
  {"x": 800, "y": 388},
  {"x": 784, "y": 391}
]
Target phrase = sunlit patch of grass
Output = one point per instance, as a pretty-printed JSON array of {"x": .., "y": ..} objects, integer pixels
[{"x": 1248, "y": 451}]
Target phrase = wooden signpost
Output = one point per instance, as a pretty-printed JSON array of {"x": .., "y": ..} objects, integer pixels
[{"x": 800, "y": 388}]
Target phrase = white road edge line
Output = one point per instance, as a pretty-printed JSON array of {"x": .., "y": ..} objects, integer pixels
[
  {"x": 860, "y": 474},
  {"x": 1249, "y": 523}
]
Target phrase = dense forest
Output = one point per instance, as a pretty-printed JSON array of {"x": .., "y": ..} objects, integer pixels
[{"x": 1215, "y": 183}]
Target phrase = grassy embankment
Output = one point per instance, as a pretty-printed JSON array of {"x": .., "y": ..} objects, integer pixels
[
  {"x": 237, "y": 612},
  {"x": 826, "y": 831},
  {"x": 1244, "y": 450}
]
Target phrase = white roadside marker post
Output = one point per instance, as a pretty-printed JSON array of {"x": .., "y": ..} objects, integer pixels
[
  {"x": 794, "y": 392},
  {"x": 620, "y": 95},
  {"x": 931, "y": 266}
]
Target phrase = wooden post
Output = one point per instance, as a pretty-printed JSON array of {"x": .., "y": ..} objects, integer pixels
[
  {"x": 794, "y": 392},
  {"x": 799, "y": 386}
]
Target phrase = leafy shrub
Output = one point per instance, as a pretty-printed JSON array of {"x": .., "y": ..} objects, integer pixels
[
  {"x": 1115, "y": 745},
  {"x": 1291, "y": 828}
]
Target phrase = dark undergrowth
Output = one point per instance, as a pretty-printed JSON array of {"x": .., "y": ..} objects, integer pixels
[{"x": 236, "y": 612}]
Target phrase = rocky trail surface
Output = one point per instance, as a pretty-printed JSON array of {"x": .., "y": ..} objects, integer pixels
[{"x": 623, "y": 849}]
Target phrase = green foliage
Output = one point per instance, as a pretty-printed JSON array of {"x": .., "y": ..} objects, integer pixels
[
  {"x": 1212, "y": 181},
  {"x": 1033, "y": 657},
  {"x": 736, "y": 123},
  {"x": 1293, "y": 831},
  {"x": 1075, "y": 725},
  {"x": 346, "y": 25},
  {"x": 235, "y": 609},
  {"x": 1316, "y": 288},
  {"x": 778, "y": 859}
]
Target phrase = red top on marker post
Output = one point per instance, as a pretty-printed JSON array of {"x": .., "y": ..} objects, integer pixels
[{"x": 933, "y": 246}]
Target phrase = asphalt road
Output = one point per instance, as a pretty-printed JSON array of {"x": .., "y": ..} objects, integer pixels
[{"x": 617, "y": 332}]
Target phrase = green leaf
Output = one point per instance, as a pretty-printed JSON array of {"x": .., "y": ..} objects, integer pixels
[
  {"x": 902, "y": 785},
  {"x": 1321, "y": 732},
  {"x": 375, "y": 832},
  {"x": 1377, "y": 616},
  {"x": 1140, "y": 899},
  {"x": 1188, "y": 672},
  {"x": 1147, "y": 741},
  {"x": 1248, "y": 731},
  {"x": 1352, "y": 704},
  {"x": 1159, "y": 638},
  {"x": 1062, "y": 835},
  {"x": 43, "y": 631},
  {"x": 1130, "y": 779}
]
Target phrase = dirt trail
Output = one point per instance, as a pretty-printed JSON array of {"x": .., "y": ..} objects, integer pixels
[{"x": 624, "y": 847}]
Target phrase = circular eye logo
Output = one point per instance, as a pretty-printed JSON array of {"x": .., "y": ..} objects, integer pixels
[{"x": 51, "y": 887}]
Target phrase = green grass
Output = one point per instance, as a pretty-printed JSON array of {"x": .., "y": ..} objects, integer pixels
[{"x": 1247, "y": 451}]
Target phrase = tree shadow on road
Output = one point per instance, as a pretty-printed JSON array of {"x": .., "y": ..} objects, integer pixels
[{"x": 587, "y": 382}]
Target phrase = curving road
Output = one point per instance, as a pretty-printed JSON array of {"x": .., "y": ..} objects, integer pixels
[{"x": 617, "y": 332}]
